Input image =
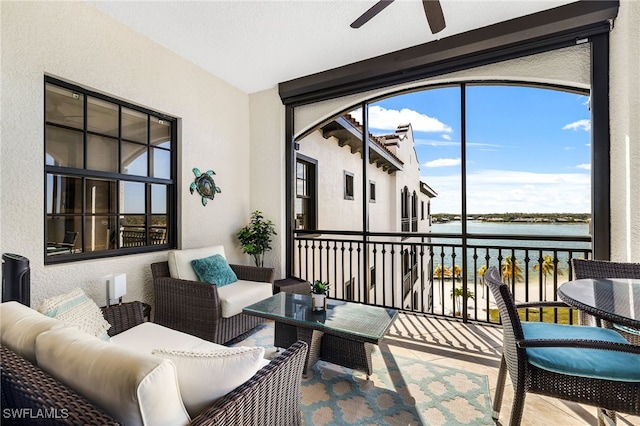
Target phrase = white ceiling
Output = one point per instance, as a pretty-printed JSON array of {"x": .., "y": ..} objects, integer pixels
[{"x": 256, "y": 44}]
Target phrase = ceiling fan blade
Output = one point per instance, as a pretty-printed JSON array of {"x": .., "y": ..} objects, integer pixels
[
  {"x": 435, "y": 16},
  {"x": 373, "y": 11}
]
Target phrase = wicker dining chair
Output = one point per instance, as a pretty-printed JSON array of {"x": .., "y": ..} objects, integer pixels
[
  {"x": 583, "y": 268},
  {"x": 588, "y": 365}
]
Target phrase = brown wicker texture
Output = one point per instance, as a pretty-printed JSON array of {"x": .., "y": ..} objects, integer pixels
[
  {"x": 270, "y": 397},
  {"x": 194, "y": 307},
  {"x": 583, "y": 269},
  {"x": 123, "y": 317},
  {"x": 28, "y": 391},
  {"x": 608, "y": 394}
]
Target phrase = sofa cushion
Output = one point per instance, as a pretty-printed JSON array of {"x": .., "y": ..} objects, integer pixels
[
  {"x": 180, "y": 261},
  {"x": 133, "y": 388},
  {"x": 215, "y": 270},
  {"x": 234, "y": 297},
  {"x": 75, "y": 308},
  {"x": 19, "y": 327},
  {"x": 146, "y": 337},
  {"x": 205, "y": 376}
]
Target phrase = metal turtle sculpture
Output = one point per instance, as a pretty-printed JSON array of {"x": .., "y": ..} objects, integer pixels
[{"x": 205, "y": 185}]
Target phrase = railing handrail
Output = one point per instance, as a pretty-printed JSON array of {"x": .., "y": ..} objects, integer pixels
[{"x": 470, "y": 236}]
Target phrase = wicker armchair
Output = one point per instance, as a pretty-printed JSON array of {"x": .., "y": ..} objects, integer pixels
[
  {"x": 583, "y": 268},
  {"x": 522, "y": 347},
  {"x": 270, "y": 397},
  {"x": 194, "y": 307}
]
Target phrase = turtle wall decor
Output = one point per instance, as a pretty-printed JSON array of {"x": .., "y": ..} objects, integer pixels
[{"x": 205, "y": 185}]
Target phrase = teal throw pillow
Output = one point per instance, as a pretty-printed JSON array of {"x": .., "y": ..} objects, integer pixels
[{"x": 214, "y": 270}]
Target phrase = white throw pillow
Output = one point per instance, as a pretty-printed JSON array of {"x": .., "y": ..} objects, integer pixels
[
  {"x": 205, "y": 376},
  {"x": 180, "y": 261},
  {"x": 77, "y": 309}
]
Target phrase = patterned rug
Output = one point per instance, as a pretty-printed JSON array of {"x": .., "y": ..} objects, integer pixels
[{"x": 401, "y": 391}]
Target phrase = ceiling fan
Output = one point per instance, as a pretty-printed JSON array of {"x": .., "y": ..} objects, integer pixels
[{"x": 432, "y": 9}]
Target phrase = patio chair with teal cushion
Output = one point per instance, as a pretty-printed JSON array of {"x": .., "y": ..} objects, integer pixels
[
  {"x": 588, "y": 365},
  {"x": 586, "y": 268}
]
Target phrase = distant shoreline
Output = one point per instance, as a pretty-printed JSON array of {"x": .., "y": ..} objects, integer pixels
[{"x": 563, "y": 218}]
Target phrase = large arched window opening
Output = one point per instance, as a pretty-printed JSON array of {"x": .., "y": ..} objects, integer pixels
[
  {"x": 572, "y": 54},
  {"x": 491, "y": 155}
]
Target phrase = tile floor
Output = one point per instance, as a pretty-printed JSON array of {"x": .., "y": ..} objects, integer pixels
[{"x": 477, "y": 348}]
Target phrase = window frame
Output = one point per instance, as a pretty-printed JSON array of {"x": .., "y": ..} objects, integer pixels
[
  {"x": 349, "y": 176},
  {"x": 312, "y": 188},
  {"x": 372, "y": 191},
  {"x": 117, "y": 179}
]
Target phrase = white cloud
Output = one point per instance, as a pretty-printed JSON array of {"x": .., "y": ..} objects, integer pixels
[
  {"x": 495, "y": 191},
  {"x": 389, "y": 119},
  {"x": 446, "y": 137},
  {"x": 584, "y": 166},
  {"x": 579, "y": 125},
  {"x": 443, "y": 162}
]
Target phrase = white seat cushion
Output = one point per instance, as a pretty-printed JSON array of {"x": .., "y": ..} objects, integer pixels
[
  {"x": 180, "y": 261},
  {"x": 146, "y": 337},
  {"x": 19, "y": 327},
  {"x": 234, "y": 297},
  {"x": 134, "y": 388}
]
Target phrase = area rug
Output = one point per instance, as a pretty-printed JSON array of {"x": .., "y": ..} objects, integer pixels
[{"x": 401, "y": 391}]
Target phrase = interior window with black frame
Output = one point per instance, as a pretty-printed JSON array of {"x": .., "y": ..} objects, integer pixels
[{"x": 110, "y": 176}]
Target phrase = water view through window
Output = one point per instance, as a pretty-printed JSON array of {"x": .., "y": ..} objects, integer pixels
[{"x": 496, "y": 168}]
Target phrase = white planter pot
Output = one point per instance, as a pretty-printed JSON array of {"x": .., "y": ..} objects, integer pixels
[{"x": 319, "y": 301}]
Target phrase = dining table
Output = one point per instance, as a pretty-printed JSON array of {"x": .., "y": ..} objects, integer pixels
[{"x": 616, "y": 300}]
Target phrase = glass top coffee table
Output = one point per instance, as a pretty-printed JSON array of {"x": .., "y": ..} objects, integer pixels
[{"x": 343, "y": 334}]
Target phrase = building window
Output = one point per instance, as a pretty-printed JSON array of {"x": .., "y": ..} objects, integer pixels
[
  {"x": 110, "y": 176},
  {"x": 404, "y": 207},
  {"x": 421, "y": 210},
  {"x": 348, "y": 185},
  {"x": 306, "y": 192},
  {"x": 372, "y": 191}
]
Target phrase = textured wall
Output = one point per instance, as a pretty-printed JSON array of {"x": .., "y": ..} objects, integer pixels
[
  {"x": 267, "y": 169},
  {"x": 568, "y": 66},
  {"x": 76, "y": 42},
  {"x": 625, "y": 133}
]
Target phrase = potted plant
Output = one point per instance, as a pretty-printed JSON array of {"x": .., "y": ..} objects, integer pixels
[
  {"x": 256, "y": 237},
  {"x": 319, "y": 290}
]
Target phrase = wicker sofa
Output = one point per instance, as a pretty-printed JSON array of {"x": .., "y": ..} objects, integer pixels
[
  {"x": 198, "y": 308},
  {"x": 32, "y": 396}
]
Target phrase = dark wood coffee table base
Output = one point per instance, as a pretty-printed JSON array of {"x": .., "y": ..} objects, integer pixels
[{"x": 327, "y": 347}]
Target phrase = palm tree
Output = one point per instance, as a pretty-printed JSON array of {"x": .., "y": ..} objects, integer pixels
[
  {"x": 511, "y": 270},
  {"x": 457, "y": 295},
  {"x": 548, "y": 266},
  {"x": 439, "y": 272},
  {"x": 481, "y": 272},
  {"x": 457, "y": 271}
]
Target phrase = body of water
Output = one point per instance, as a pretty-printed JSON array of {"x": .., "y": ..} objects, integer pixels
[{"x": 523, "y": 249}]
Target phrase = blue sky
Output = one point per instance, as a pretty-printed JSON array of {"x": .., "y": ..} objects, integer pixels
[{"x": 528, "y": 149}]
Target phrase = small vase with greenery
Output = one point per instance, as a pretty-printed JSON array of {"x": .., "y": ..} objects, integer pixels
[
  {"x": 319, "y": 287},
  {"x": 319, "y": 290},
  {"x": 256, "y": 237}
]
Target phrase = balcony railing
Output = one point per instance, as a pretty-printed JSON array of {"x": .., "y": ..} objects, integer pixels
[{"x": 431, "y": 273}]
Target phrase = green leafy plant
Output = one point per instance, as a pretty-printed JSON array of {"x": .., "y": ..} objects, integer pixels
[
  {"x": 255, "y": 238},
  {"x": 458, "y": 294},
  {"x": 319, "y": 287}
]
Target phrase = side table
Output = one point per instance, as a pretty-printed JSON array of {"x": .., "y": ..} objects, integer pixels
[{"x": 291, "y": 285}]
